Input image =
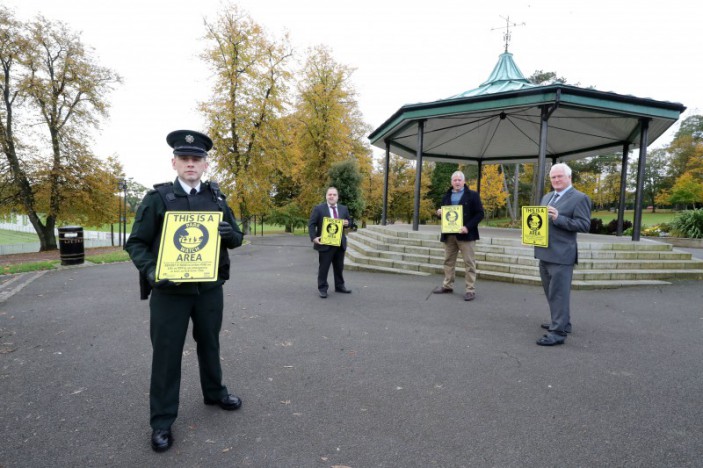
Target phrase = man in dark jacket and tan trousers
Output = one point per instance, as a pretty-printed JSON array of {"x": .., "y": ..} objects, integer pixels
[{"x": 465, "y": 241}]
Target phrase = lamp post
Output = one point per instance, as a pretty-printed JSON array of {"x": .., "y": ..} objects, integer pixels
[{"x": 122, "y": 185}]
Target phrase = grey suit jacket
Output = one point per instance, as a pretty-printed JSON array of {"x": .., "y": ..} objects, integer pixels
[{"x": 574, "y": 209}]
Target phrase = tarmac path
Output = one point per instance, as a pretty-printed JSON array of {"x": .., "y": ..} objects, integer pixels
[{"x": 388, "y": 376}]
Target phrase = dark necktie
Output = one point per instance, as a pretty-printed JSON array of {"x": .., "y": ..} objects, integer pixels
[
  {"x": 554, "y": 199},
  {"x": 193, "y": 191},
  {"x": 334, "y": 212}
]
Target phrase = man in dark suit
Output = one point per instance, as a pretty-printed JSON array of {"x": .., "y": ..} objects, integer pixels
[
  {"x": 569, "y": 212},
  {"x": 329, "y": 254},
  {"x": 465, "y": 241}
]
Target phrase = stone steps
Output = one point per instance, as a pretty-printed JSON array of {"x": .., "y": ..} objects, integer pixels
[{"x": 602, "y": 263}]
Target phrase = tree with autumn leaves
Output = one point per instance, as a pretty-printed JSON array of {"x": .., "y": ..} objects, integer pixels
[
  {"x": 493, "y": 194},
  {"x": 50, "y": 77},
  {"x": 246, "y": 111},
  {"x": 272, "y": 148}
]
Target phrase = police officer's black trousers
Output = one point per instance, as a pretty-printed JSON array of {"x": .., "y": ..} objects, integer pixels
[{"x": 170, "y": 316}]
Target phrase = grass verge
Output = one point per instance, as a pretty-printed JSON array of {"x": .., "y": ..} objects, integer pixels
[
  {"x": 27, "y": 267},
  {"x": 113, "y": 257}
]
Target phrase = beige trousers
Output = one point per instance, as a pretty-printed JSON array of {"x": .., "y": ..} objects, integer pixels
[{"x": 452, "y": 247}]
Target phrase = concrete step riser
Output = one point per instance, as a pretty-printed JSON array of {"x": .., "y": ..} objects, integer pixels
[
  {"x": 436, "y": 249},
  {"x": 506, "y": 269},
  {"x": 506, "y": 260},
  {"x": 384, "y": 233},
  {"x": 601, "y": 265}
]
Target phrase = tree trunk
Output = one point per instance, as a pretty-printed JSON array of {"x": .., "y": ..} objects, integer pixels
[
  {"x": 47, "y": 237},
  {"x": 45, "y": 233}
]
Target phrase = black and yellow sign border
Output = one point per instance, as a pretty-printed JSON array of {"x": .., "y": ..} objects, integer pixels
[
  {"x": 452, "y": 227},
  {"x": 189, "y": 265},
  {"x": 538, "y": 237},
  {"x": 332, "y": 231}
]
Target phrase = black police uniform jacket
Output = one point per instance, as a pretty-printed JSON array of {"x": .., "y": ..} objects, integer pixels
[
  {"x": 473, "y": 213},
  {"x": 143, "y": 243}
]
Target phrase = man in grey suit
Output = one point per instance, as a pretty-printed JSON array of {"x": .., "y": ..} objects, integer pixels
[
  {"x": 328, "y": 254},
  {"x": 569, "y": 212}
]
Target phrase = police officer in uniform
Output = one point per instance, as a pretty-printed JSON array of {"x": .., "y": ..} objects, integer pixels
[{"x": 174, "y": 305}]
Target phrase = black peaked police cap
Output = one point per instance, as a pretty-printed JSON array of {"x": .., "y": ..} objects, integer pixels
[{"x": 189, "y": 143}]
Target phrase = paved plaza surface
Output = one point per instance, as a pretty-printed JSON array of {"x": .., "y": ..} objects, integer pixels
[{"x": 388, "y": 376}]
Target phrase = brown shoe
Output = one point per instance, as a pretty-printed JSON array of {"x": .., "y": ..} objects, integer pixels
[
  {"x": 469, "y": 296},
  {"x": 442, "y": 290}
]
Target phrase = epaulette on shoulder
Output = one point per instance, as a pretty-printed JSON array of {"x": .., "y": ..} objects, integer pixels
[{"x": 156, "y": 187}]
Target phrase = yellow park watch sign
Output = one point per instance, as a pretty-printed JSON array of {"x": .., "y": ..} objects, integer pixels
[
  {"x": 535, "y": 226},
  {"x": 190, "y": 246},
  {"x": 332, "y": 230},
  {"x": 452, "y": 219}
]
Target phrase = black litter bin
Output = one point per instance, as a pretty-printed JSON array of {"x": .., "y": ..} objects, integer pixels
[{"x": 71, "y": 245}]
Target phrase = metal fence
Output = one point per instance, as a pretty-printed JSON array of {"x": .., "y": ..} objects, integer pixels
[
  {"x": 90, "y": 239},
  {"x": 29, "y": 247}
]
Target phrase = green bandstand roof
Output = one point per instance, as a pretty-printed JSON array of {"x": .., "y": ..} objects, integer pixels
[{"x": 499, "y": 122}]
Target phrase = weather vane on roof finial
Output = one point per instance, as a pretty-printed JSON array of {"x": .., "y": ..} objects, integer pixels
[{"x": 506, "y": 34}]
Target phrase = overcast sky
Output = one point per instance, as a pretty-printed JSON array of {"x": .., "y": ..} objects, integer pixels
[{"x": 403, "y": 53}]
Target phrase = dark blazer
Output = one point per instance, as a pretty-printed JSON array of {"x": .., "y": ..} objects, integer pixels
[
  {"x": 574, "y": 209},
  {"x": 315, "y": 224},
  {"x": 473, "y": 213}
]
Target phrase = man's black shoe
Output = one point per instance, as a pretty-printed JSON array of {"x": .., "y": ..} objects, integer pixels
[
  {"x": 228, "y": 402},
  {"x": 161, "y": 440},
  {"x": 323, "y": 294},
  {"x": 342, "y": 290},
  {"x": 551, "y": 339}
]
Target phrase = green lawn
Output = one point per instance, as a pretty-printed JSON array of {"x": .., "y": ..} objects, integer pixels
[
  {"x": 648, "y": 218},
  {"x": 13, "y": 237}
]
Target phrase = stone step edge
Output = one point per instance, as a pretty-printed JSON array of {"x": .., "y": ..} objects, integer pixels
[
  {"x": 585, "y": 248},
  {"x": 651, "y": 246},
  {"x": 483, "y": 264},
  {"x": 353, "y": 266},
  {"x": 518, "y": 279},
  {"x": 691, "y": 264}
]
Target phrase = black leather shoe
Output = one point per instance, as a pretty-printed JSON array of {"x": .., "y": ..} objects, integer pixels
[
  {"x": 546, "y": 327},
  {"x": 227, "y": 402},
  {"x": 323, "y": 294},
  {"x": 342, "y": 290},
  {"x": 161, "y": 440},
  {"x": 551, "y": 339}
]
